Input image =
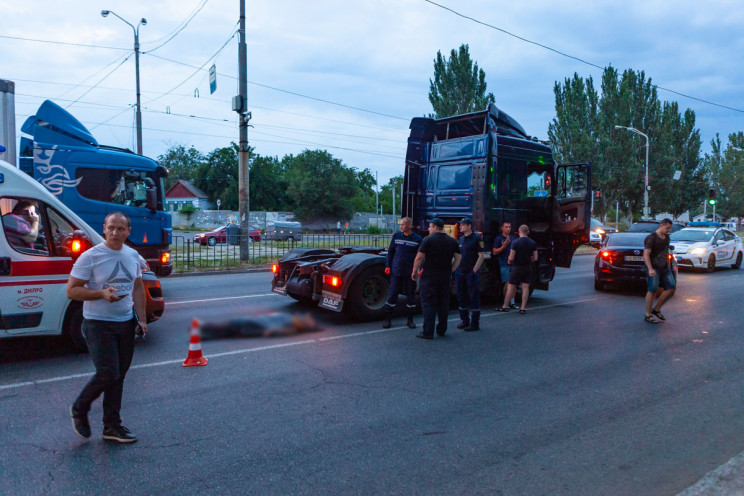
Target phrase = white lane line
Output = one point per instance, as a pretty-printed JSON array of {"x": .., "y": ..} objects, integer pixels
[
  {"x": 272, "y": 347},
  {"x": 185, "y": 302}
]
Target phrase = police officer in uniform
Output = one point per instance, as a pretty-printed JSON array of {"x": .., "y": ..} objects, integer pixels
[
  {"x": 467, "y": 280},
  {"x": 401, "y": 253},
  {"x": 439, "y": 254}
]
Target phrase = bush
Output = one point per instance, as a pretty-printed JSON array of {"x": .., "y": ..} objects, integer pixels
[{"x": 373, "y": 230}]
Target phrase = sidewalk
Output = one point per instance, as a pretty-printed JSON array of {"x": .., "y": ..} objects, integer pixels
[{"x": 726, "y": 480}]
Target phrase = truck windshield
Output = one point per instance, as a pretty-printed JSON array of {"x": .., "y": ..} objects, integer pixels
[
  {"x": 518, "y": 180},
  {"x": 119, "y": 186}
]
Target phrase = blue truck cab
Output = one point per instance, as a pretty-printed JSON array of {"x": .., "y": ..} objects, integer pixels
[{"x": 94, "y": 180}]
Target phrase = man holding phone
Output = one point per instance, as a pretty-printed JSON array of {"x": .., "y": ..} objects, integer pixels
[{"x": 108, "y": 279}]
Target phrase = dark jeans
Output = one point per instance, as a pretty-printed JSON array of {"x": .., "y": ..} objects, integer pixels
[
  {"x": 111, "y": 347},
  {"x": 396, "y": 284},
  {"x": 468, "y": 296},
  {"x": 435, "y": 296}
]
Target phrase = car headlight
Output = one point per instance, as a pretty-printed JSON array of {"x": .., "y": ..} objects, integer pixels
[
  {"x": 599, "y": 231},
  {"x": 698, "y": 251}
]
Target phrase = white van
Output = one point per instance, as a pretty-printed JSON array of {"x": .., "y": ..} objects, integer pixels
[{"x": 39, "y": 240}]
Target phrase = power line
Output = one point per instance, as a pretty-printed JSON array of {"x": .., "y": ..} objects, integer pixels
[
  {"x": 591, "y": 64},
  {"x": 117, "y": 59},
  {"x": 63, "y": 43},
  {"x": 287, "y": 91},
  {"x": 100, "y": 81},
  {"x": 178, "y": 30}
]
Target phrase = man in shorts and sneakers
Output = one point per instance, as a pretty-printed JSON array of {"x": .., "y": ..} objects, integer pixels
[
  {"x": 523, "y": 253},
  {"x": 108, "y": 280},
  {"x": 658, "y": 271},
  {"x": 500, "y": 251}
]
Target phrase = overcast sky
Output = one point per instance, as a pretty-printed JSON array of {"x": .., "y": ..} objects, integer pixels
[{"x": 376, "y": 56}]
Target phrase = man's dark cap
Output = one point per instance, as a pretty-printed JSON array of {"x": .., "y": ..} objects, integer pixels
[
  {"x": 437, "y": 222},
  {"x": 466, "y": 220}
]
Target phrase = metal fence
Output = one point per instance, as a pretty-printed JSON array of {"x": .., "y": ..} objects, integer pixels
[{"x": 222, "y": 254}]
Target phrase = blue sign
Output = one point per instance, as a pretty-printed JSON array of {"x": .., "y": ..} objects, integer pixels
[{"x": 212, "y": 79}]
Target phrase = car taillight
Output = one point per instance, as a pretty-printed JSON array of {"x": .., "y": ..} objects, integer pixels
[
  {"x": 605, "y": 254},
  {"x": 76, "y": 246},
  {"x": 332, "y": 281},
  {"x": 275, "y": 268}
]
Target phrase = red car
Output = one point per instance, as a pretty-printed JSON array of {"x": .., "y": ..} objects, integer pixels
[{"x": 219, "y": 235}]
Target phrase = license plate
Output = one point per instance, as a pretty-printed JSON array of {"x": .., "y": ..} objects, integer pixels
[
  {"x": 331, "y": 301},
  {"x": 634, "y": 258},
  {"x": 282, "y": 290}
]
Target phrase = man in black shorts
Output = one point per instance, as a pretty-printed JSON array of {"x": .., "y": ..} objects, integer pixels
[
  {"x": 658, "y": 270},
  {"x": 523, "y": 253},
  {"x": 440, "y": 255}
]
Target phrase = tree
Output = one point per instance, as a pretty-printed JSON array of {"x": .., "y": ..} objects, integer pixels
[
  {"x": 320, "y": 186},
  {"x": 188, "y": 210},
  {"x": 181, "y": 163},
  {"x": 364, "y": 200},
  {"x": 217, "y": 176},
  {"x": 386, "y": 196},
  {"x": 268, "y": 186},
  {"x": 459, "y": 86},
  {"x": 726, "y": 174}
]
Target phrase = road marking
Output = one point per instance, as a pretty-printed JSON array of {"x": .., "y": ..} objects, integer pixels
[
  {"x": 184, "y": 302},
  {"x": 270, "y": 347}
]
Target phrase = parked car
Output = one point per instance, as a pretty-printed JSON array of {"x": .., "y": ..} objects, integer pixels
[
  {"x": 705, "y": 248},
  {"x": 220, "y": 235},
  {"x": 598, "y": 231},
  {"x": 284, "y": 231},
  {"x": 620, "y": 260},
  {"x": 652, "y": 225}
]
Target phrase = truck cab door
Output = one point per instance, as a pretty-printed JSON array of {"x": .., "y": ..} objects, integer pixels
[{"x": 571, "y": 214}]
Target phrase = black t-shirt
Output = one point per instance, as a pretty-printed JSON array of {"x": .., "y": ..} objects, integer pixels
[
  {"x": 659, "y": 250},
  {"x": 439, "y": 249},
  {"x": 523, "y": 248},
  {"x": 470, "y": 247}
]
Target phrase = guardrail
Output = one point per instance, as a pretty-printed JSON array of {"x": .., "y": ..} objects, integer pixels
[{"x": 224, "y": 254}]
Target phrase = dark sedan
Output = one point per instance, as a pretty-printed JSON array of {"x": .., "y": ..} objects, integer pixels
[{"x": 620, "y": 260}]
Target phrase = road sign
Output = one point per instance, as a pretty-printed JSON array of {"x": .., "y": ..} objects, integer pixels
[
  {"x": 677, "y": 175},
  {"x": 212, "y": 79},
  {"x": 218, "y": 203}
]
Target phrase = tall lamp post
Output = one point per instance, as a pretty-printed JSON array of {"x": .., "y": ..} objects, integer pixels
[
  {"x": 646, "y": 212},
  {"x": 142, "y": 22}
]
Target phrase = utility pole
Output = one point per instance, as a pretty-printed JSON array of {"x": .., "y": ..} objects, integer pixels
[
  {"x": 240, "y": 105},
  {"x": 392, "y": 190},
  {"x": 377, "y": 196}
]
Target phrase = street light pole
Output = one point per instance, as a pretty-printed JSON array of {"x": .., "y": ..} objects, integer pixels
[
  {"x": 142, "y": 22},
  {"x": 646, "y": 211}
]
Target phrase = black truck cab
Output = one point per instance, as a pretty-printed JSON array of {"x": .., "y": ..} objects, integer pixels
[{"x": 483, "y": 165}]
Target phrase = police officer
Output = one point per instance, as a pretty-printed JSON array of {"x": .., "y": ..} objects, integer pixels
[
  {"x": 401, "y": 253},
  {"x": 467, "y": 280},
  {"x": 440, "y": 255}
]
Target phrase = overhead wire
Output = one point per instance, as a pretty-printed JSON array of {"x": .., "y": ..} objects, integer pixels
[
  {"x": 591, "y": 64},
  {"x": 100, "y": 81},
  {"x": 63, "y": 43},
  {"x": 177, "y": 29}
]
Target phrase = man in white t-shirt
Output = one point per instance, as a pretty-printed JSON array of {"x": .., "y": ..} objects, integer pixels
[{"x": 108, "y": 279}]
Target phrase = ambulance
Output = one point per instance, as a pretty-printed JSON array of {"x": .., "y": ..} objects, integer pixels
[{"x": 40, "y": 239}]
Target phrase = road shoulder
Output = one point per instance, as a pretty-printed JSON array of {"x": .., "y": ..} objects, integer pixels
[{"x": 725, "y": 480}]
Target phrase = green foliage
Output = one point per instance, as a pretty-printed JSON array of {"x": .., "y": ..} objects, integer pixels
[
  {"x": 364, "y": 200},
  {"x": 320, "y": 186},
  {"x": 268, "y": 186},
  {"x": 583, "y": 130},
  {"x": 188, "y": 210},
  {"x": 181, "y": 163},
  {"x": 373, "y": 230},
  {"x": 217, "y": 176},
  {"x": 459, "y": 86},
  {"x": 386, "y": 197},
  {"x": 727, "y": 175}
]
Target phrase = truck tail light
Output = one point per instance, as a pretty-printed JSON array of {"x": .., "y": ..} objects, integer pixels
[
  {"x": 165, "y": 257},
  {"x": 334, "y": 281},
  {"x": 275, "y": 268}
]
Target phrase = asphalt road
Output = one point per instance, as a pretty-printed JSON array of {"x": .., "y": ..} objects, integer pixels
[{"x": 579, "y": 396}]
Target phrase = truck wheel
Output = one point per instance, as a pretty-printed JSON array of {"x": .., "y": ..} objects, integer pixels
[
  {"x": 367, "y": 295},
  {"x": 74, "y": 328},
  {"x": 737, "y": 265},
  {"x": 711, "y": 263},
  {"x": 211, "y": 241}
]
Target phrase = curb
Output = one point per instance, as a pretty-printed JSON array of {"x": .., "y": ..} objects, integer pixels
[{"x": 215, "y": 272}]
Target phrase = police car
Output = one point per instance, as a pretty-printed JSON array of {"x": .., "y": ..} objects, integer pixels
[{"x": 705, "y": 248}]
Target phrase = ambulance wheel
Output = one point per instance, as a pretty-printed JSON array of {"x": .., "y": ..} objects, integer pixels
[
  {"x": 367, "y": 295},
  {"x": 74, "y": 328}
]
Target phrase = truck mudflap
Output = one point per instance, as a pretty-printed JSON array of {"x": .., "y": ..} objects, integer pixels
[{"x": 331, "y": 301}]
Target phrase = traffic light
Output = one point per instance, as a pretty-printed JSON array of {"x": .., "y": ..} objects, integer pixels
[
  {"x": 712, "y": 196},
  {"x": 597, "y": 194}
]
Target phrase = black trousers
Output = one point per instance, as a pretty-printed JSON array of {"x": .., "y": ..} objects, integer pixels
[
  {"x": 111, "y": 347},
  {"x": 435, "y": 297}
]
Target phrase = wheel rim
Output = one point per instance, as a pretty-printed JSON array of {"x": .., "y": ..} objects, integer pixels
[{"x": 373, "y": 292}]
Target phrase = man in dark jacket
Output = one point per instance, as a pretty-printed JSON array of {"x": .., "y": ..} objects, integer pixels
[
  {"x": 467, "y": 280},
  {"x": 401, "y": 253},
  {"x": 439, "y": 254}
]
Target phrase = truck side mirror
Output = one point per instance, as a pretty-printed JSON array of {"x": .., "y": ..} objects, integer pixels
[{"x": 152, "y": 199}]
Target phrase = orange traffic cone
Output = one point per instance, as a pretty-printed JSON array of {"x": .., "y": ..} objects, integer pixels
[{"x": 195, "y": 357}]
